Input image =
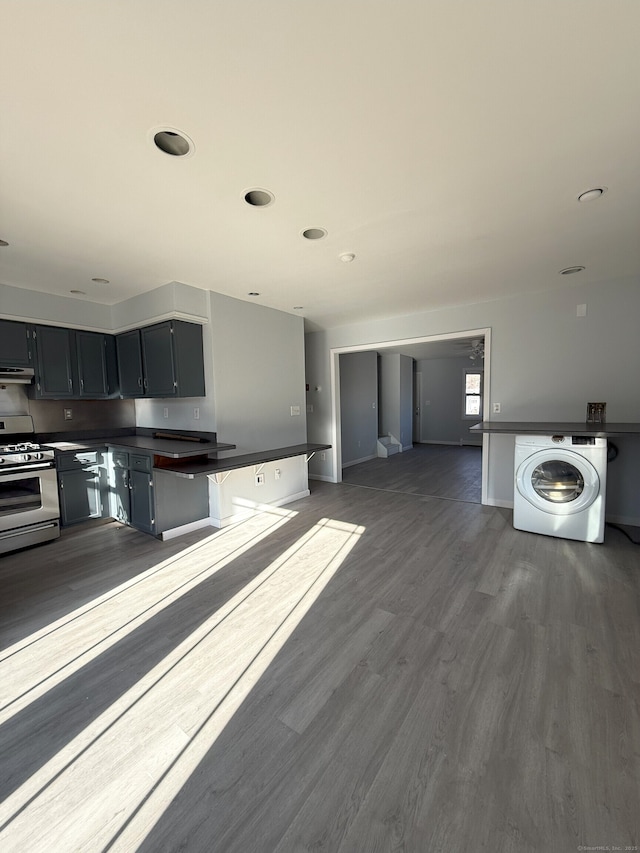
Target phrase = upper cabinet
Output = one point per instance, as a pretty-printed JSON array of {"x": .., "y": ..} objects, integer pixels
[
  {"x": 163, "y": 360},
  {"x": 73, "y": 364},
  {"x": 53, "y": 363},
  {"x": 15, "y": 344},
  {"x": 96, "y": 362}
]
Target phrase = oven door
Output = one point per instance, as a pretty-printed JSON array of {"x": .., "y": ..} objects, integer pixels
[{"x": 28, "y": 496}]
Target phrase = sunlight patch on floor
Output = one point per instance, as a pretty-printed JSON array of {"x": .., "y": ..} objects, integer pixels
[
  {"x": 108, "y": 786},
  {"x": 37, "y": 663}
]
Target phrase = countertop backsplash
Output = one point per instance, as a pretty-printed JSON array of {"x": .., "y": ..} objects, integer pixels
[{"x": 49, "y": 415}]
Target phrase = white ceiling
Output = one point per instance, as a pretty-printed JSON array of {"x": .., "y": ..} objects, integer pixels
[{"x": 444, "y": 142}]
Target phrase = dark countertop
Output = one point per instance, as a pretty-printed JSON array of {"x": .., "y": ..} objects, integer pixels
[
  {"x": 199, "y": 467},
  {"x": 556, "y": 428},
  {"x": 143, "y": 440}
]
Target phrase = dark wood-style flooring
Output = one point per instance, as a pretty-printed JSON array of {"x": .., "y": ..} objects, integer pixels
[
  {"x": 359, "y": 671},
  {"x": 435, "y": 470}
]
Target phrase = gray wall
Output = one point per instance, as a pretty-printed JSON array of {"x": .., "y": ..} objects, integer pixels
[
  {"x": 358, "y": 406},
  {"x": 396, "y": 396},
  {"x": 546, "y": 363},
  {"x": 258, "y": 374},
  {"x": 441, "y": 401}
]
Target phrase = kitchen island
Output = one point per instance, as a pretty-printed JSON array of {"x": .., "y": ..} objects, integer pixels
[{"x": 166, "y": 483}]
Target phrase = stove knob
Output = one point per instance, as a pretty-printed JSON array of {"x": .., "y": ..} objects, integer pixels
[
  {"x": 38, "y": 455},
  {"x": 26, "y": 457},
  {"x": 1, "y": 460}
]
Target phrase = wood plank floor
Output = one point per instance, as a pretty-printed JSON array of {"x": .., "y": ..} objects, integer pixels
[
  {"x": 362, "y": 670},
  {"x": 434, "y": 470}
]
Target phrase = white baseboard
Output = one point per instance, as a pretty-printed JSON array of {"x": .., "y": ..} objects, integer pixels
[
  {"x": 185, "y": 528},
  {"x": 500, "y": 503},
  {"x": 249, "y": 510},
  {"x": 326, "y": 478},
  {"x": 358, "y": 461},
  {"x": 406, "y": 447}
]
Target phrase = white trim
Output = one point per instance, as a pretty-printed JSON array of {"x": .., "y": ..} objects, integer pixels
[
  {"x": 500, "y": 503},
  {"x": 185, "y": 528},
  {"x": 149, "y": 321},
  {"x": 325, "y": 478},
  {"x": 334, "y": 366}
]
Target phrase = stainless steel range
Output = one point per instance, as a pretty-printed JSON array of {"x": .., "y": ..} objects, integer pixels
[{"x": 29, "y": 506}]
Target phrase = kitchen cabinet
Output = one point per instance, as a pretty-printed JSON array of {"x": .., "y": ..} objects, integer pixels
[
  {"x": 96, "y": 365},
  {"x": 131, "y": 489},
  {"x": 142, "y": 499},
  {"x": 53, "y": 363},
  {"x": 150, "y": 499},
  {"x": 162, "y": 360},
  {"x": 82, "y": 485},
  {"x": 129, "y": 358},
  {"x": 15, "y": 344},
  {"x": 73, "y": 364}
]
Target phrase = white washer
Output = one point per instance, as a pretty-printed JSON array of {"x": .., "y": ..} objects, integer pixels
[{"x": 560, "y": 486}]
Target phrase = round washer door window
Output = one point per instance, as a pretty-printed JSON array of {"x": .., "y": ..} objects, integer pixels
[{"x": 558, "y": 482}]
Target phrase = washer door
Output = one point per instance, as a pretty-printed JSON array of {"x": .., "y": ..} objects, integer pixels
[{"x": 558, "y": 481}]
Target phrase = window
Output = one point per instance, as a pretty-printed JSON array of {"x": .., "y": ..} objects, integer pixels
[{"x": 472, "y": 394}]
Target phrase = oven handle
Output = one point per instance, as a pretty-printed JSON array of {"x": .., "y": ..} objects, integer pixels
[{"x": 38, "y": 466}]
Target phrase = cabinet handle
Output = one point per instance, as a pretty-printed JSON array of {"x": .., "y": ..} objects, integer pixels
[
  {"x": 146, "y": 383},
  {"x": 140, "y": 381},
  {"x": 82, "y": 384},
  {"x": 70, "y": 385}
]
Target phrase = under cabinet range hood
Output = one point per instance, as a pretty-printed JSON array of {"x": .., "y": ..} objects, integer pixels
[{"x": 16, "y": 375}]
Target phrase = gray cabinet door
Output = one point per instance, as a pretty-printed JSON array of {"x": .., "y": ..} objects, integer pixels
[
  {"x": 15, "y": 344},
  {"x": 129, "y": 356},
  {"x": 91, "y": 349},
  {"x": 142, "y": 515},
  {"x": 80, "y": 495},
  {"x": 189, "y": 358},
  {"x": 158, "y": 360},
  {"x": 54, "y": 375}
]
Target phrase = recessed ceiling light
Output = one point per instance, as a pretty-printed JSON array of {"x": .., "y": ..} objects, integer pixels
[
  {"x": 347, "y": 257},
  {"x": 592, "y": 195},
  {"x": 253, "y": 293},
  {"x": 3, "y": 243},
  {"x": 173, "y": 142},
  {"x": 259, "y": 198},
  {"x": 314, "y": 233},
  {"x": 81, "y": 292},
  {"x": 101, "y": 280},
  {"x": 571, "y": 270}
]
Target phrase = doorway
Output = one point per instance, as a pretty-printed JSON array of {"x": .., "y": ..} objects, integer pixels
[{"x": 416, "y": 349}]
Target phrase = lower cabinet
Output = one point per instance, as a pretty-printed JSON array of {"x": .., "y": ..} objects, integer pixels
[
  {"x": 150, "y": 499},
  {"x": 82, "y": 486},
  {"x": 142, "y": 504}
]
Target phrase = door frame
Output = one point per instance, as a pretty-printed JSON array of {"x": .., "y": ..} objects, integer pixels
[{"x": 336, "y": 352}]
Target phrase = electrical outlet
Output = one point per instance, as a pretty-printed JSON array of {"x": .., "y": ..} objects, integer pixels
[
  {"x": 259, "y": 479},
  {"x": 277, "y": 473},
  {"x": 196, "y": 413},
  {"x": 165, "y": 412},
  {"x": 496, "y": 408},
  {"x": 68, "y": 414},
  {"x": 309, "y": 408},
  {"x": 295, "y": 410}
]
